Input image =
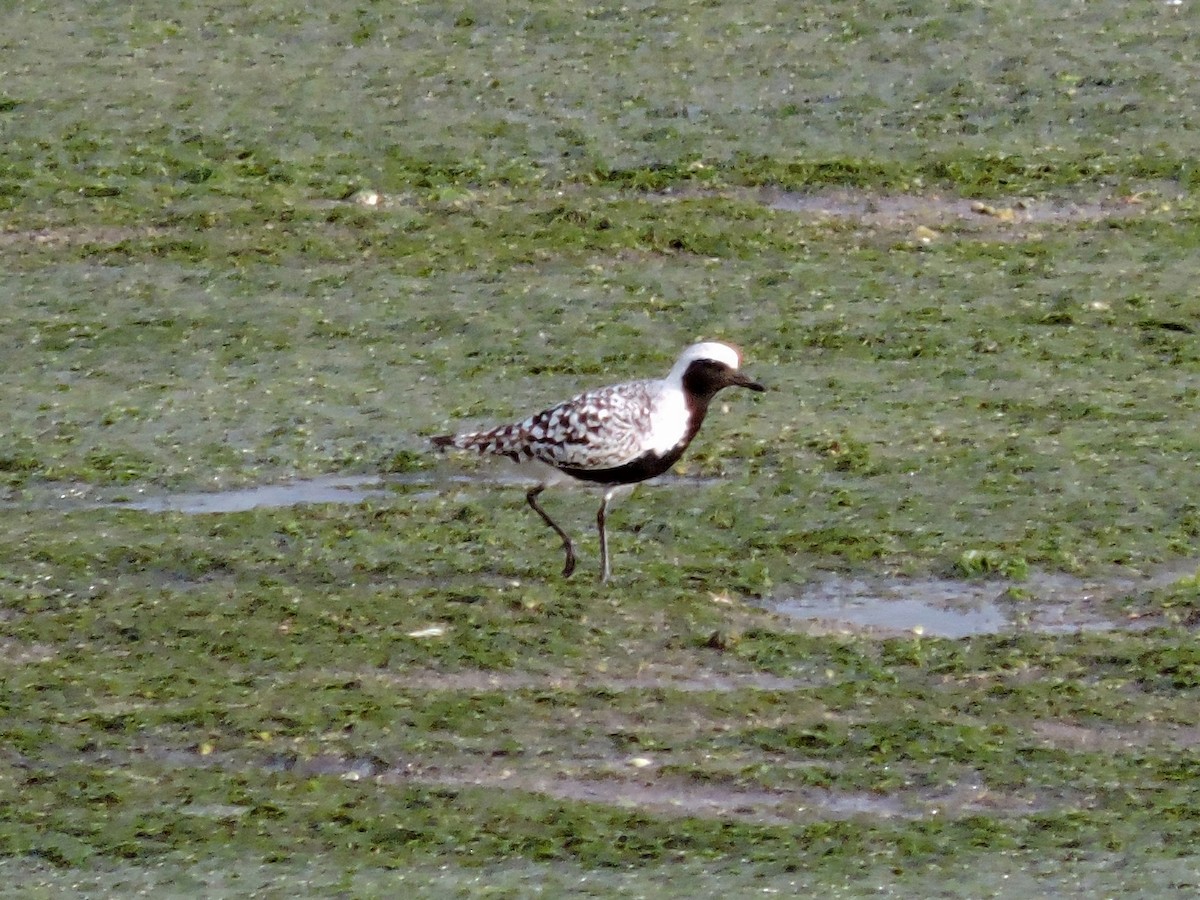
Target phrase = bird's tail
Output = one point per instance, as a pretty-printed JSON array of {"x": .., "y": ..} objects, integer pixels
[
  {"x": 497, "y": 441},
  {"x": 478, "y": 441}
]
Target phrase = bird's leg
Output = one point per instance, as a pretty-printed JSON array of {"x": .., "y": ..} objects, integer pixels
[
  {"x": 569, "y": 567},
  {"x": 601, "y": 518}
]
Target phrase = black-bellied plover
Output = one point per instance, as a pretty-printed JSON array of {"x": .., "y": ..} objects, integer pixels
[{"x": 613, "y": 436}]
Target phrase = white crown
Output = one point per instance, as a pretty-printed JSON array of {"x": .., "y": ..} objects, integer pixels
[{"x": 714, "y": 350}]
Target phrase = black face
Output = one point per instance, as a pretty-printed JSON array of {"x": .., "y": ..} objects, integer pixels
[{"x": 705, "y": 377}]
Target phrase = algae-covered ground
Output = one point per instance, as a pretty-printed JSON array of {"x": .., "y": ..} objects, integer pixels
[{"x": 247, "y": 244}]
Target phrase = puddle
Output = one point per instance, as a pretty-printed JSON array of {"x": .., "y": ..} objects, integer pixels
[
  {"x": 1048, "y": 603},
  {"x": 347, "y": 489},
  {"x": 934, "y": 607}
]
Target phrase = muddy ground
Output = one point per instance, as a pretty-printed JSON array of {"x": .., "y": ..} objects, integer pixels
[{"x": 918, "y": 621}]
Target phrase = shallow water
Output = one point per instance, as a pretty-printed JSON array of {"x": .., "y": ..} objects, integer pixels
[
  {"x": 936, "y": 607},
  {"x": 335, "y": 489},
  {"x": 347, "y": 489},
  {"x": 953, "y": 608}
]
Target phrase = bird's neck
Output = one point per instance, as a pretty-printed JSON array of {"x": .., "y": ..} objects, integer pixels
[
  {"x": 684, "y": 414},
  {"x": 697, "y": 407}
]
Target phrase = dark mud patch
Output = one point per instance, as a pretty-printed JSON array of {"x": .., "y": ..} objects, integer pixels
[{"x": 1045, "y": 602}]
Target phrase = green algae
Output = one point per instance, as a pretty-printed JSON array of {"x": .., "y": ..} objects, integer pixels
[{"x": 401, "y": 691}]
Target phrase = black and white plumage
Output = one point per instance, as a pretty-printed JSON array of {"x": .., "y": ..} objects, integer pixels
[{"x": 613, "y": 436}]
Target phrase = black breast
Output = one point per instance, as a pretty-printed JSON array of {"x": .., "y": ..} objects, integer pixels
[{"x": 648, "y": 465}]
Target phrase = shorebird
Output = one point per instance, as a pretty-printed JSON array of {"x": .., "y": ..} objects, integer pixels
[{"x": 613, "y": 436}]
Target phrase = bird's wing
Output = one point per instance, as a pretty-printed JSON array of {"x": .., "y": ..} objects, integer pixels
[{"x": 601, "y": 429}]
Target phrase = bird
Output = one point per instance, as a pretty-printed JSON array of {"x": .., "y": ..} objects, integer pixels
[{"x": 614, "y": 436}]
